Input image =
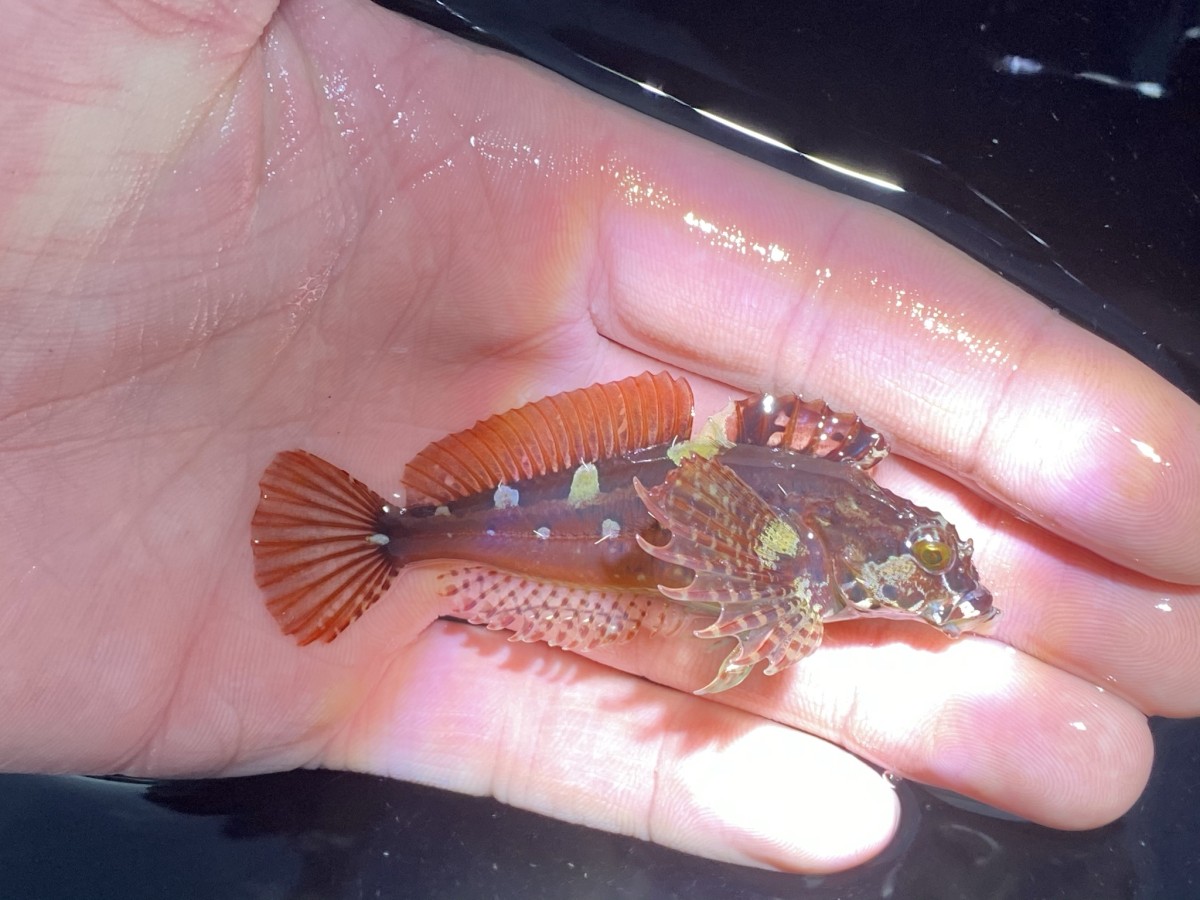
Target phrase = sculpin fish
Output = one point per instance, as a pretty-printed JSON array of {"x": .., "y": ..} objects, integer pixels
[{"x": 576, "y": 519}]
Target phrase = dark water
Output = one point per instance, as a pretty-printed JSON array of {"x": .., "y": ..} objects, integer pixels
[
  {"x": 328, "y": 834},
  {"x": 1057, "y": 143}
]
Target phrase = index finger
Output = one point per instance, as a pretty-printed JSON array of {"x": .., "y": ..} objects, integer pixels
[{"x": 784, "y": 285}]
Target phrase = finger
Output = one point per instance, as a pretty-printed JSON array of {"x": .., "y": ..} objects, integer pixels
[
  {"x": 1129, "y": 634},
  {"x": 973, "y": 715},
  {"x": 779, "y": 285},
  {"x": 555, "y": 733}
]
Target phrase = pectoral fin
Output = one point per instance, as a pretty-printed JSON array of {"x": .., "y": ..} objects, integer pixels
[{"x": 765, "y": 572}]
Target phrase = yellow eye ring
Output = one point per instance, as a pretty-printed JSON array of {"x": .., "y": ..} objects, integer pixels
[{"x": 933, "y": 555}]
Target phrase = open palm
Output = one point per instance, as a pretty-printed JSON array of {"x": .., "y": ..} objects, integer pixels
[{"x": 227, "y": 234}]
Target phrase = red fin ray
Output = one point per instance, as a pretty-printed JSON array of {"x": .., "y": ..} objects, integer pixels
[
  {"x": 766, "y": 573},
  {"x": 781, "y": 633},
  {"x": 551, "y": 435},
  {"x": 569, "y": 617},
  {"x": 315, "y": 553}
]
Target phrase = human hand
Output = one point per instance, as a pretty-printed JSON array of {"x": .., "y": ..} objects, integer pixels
[{"x": 230, "y": 236}]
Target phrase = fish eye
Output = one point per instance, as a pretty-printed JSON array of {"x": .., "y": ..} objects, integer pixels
[{"x": 932, "y": 554}]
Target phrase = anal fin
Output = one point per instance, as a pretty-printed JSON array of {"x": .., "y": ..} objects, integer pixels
[
  {"x": 767, "y": 573},
  {"x": 572, "y": 618}
]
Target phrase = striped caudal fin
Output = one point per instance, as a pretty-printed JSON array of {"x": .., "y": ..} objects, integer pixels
[{"x": 319, "y": 555}]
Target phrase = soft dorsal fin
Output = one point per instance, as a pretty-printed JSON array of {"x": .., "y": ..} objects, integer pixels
[{"x": 553, "y": 434}]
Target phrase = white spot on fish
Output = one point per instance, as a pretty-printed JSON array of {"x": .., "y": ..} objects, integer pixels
[
  {"x": 491, "y": 532},
  {"x": 379, "y": 540},
  {"x": 542, "y": 532},
  {"x": 506, "y": 497},
  {"x": 442, "y": 511},
  {"x": 609, "y": 528}
]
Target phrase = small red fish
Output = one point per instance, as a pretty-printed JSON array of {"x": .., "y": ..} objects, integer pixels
[{"x": 579, "y": 513}]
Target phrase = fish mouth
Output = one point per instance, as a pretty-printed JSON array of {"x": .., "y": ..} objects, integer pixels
[
  {"x": 970, "y": 612},
  {"x": 976, "y": 609}
]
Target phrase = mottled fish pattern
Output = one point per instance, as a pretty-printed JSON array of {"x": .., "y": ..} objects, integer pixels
[{"x": 585, "y": 517}]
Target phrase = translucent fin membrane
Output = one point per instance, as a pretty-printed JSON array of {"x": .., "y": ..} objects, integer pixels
[
  {"x": 319, "y": 555},
  {"x": 573, "y": 618},
  {"x": 806, "y": 426},
  {"x": 552, "y": 435},
  {"x": 764, "y": 572}
]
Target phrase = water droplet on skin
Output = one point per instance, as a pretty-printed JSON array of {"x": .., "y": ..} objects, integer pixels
[
  {"x": 1145, "y": 449},
  {"x": 944, "y": 325}
]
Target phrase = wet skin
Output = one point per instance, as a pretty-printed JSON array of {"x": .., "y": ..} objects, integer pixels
[{"x": 238, "y": 231}]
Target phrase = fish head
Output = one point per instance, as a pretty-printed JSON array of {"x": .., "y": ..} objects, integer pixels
[
  {"x": 884, "y": 555},
  {"x": 905, "y": 562}
]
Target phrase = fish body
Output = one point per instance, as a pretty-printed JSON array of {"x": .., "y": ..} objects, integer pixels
[
  {"x": 534, "y": 527},
  {"x": 577, "y": 516}
]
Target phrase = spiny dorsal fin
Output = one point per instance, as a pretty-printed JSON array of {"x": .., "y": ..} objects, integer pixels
[
  {"x": 317, "y": 556},
  {"x": 553, "y": 434},
  {"x": 805, "y": 426}
]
